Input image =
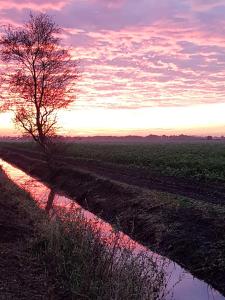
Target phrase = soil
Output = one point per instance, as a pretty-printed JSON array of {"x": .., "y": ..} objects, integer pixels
[
  {"x": 188, "y": 231},
  {"x": 214, "y": 193},
  {"x": 22, "y": 276}
]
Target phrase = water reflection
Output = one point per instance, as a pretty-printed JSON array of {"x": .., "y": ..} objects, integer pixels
[{"x": 182, "y": 284}]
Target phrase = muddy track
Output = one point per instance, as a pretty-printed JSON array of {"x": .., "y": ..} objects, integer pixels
[{"x": 213, "y": 192}]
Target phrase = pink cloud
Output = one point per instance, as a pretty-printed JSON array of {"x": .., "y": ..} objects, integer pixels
[
  {"x": 33, "y": 4},
  {"x": 141, "y": 53}
]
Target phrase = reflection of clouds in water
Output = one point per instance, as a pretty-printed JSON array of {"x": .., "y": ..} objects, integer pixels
[{"x": 179, "y": 283}]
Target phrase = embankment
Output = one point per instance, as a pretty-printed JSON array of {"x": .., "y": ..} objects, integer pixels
[
  {"x": 188, "y": 231},
  {"x": 44, "y": 258}
]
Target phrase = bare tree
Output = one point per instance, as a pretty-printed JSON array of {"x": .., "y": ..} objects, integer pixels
[{"x": 41, "y": 77}]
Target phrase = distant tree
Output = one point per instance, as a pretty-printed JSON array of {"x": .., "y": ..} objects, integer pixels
[
  {"x": 209, "y": 138},
  {"x": 40, "y": 79}
]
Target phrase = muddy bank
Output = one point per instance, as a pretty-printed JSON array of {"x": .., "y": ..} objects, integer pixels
[{"x": 188, "y": 231}]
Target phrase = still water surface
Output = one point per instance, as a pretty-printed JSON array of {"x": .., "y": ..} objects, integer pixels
[{"x": 183, "y": 285}]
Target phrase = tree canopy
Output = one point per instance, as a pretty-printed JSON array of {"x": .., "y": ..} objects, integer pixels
[{"x": 41, "y": 76}]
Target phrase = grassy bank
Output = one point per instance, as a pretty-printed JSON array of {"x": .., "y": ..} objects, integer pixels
[
  {"x": 78, "y": 264},
  {"x": 188, "y": 231}
]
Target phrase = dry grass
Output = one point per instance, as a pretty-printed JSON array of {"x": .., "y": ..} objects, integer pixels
[
  {"x": 92, "y": 266},
  {"x": 83, "y": 262}
]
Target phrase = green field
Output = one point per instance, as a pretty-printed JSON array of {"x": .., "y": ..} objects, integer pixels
[{"x": 202, "y": 161}]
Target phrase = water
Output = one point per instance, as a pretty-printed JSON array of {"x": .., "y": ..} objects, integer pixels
[{"x": 181, "y": 282}]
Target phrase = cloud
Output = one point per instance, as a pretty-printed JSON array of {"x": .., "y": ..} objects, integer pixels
[
  {"x": 33, "y": 4},
  {"x": 144, "y": 53}
]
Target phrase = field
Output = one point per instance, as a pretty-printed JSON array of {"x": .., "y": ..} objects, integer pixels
[
  {"x": 204, "y": 161},
  {"x": 170, "y": 197}
]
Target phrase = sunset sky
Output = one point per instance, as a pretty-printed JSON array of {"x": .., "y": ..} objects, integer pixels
[{"x": 147, "y": 66}]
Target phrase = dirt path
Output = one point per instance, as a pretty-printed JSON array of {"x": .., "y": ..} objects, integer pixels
[
  {"x": 22, "y": 276},
  {"x": 213, "y": 192},
  {"x": 142, "y": 178}
]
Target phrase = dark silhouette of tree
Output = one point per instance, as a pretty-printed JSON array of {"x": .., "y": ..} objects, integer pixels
[{"x": 40, "y": 79}]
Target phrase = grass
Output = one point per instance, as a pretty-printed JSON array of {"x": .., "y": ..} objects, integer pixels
[
  {"x": 202, "y": 161},
  {"x": 92, "y": 269},
  {"x": 84, "y": 265}
]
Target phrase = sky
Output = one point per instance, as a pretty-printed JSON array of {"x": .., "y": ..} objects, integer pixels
[{"x": 147, "y": 66}]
